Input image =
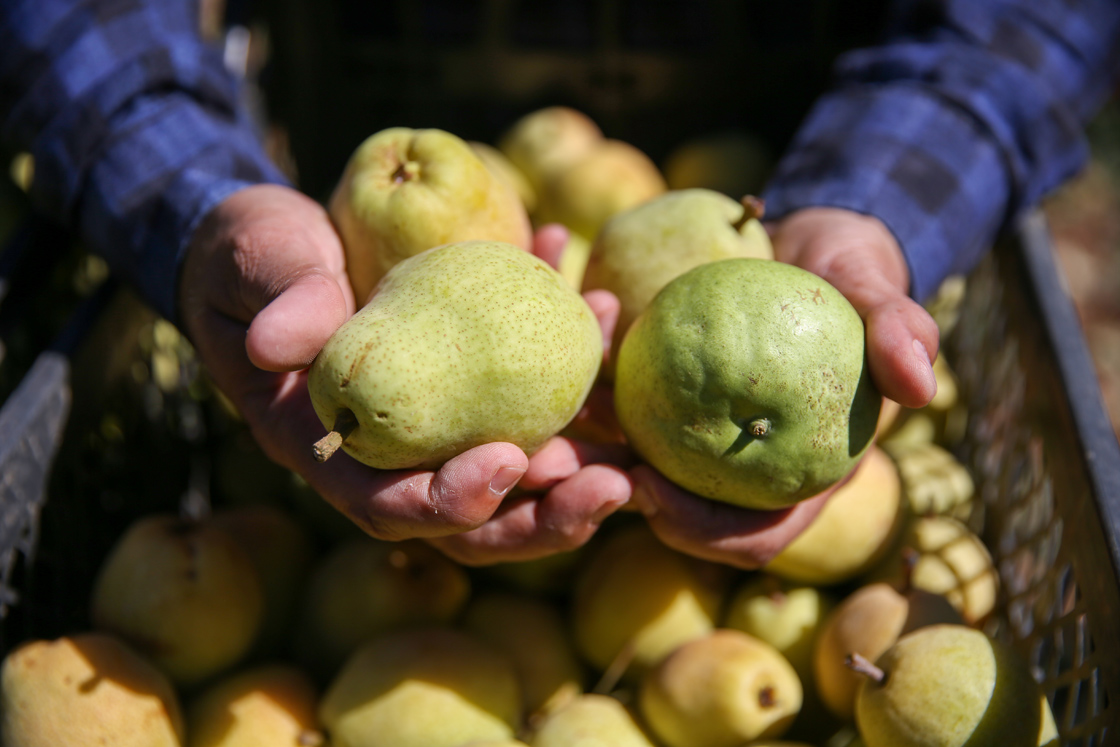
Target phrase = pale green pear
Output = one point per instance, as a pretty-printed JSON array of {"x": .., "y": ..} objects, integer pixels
[
  {"x": 590, "y": 720},
  {"x": 639, "y": 250},
  {"x": 547, "y": 141},
  {"x": 459, "y": 346},
  {"x": 427, "y": 687},
  {"x": 746, "y": 381},
  {"x": 404, "y": 191},
  {"x": 950, "y": 686}
]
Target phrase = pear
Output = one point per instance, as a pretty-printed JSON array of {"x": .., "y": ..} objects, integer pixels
[
  {"x": 573, "y": 261},
  {"x": 950, "y": 686},
  {"x": 635, "y": 600},
  {"x": 611, "y": 177},
  {"x": 745, "y": 381},
  {"x": 722, "y": 690},
  {"x": 268, "y": 705},
  {"x": 183, "y": 592},
  {"x": 500, "y": 164},
  {"x": 282, "y": 552},
  {"x": 427, "y": 687},
  {"x": 868, "y": 622},
  {"x": 857, "y": 527},
  {"x": 639, "y": 250},
  {"x": 733, "y": 162},
  {"x": 533, "y": 633},
  {"x": 462, "y": 345},
  {"x": 366, "y": 587},
  {"x": 86, "y": 689},
  {"x": 546, "y": 141},
  {"x": 590, "y": 720},
  {"x": 404, "y": 191}
]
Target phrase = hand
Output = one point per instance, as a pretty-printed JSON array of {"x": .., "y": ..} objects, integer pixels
[{"x": 262, "y": 288}]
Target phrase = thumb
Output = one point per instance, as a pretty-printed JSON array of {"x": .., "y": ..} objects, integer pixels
[{"x": 289, "y": 331}]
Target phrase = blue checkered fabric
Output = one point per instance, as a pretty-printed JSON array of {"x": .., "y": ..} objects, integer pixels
[
  {"x": 969, "y": 113},
  {"x": 134, "y": 123}
]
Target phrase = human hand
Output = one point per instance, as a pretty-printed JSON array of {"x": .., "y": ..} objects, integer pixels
[{"x": 263, "y": 287}]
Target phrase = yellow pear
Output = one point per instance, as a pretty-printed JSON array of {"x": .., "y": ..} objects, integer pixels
[
  {"x": 590, "y": 720},
  {"x": 856, "y": 528},
  {"x": 722, "y": 690},
  {"x": 734, "y": 162},
  {"x": 427, "y": 687},
  {"x": 635, "y": 600},
  {"x": 365, "y": 587},
  {"x": 546, "y": 141},
  {"x": 85, "y": 689},
  {"x": 183, "y": 592},
  {"x": 533, "y": 633},
  {"x": 405, "y": 190},
  {"x": 500, "y": 164},
  {"x": 268, "y": 705}
]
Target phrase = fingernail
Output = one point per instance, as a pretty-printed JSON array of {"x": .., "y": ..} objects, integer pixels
[
  {"x": 927, "y": 369},
  {"x": 606, "y": 510},
  {"x": 504, "y": 479}
]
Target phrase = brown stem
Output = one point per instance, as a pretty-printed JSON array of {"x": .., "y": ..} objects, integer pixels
[
  {"x": 861, "y": 665},
  {"x": 753, "y": 209},
  {"x": 616, "y": 669},
  {"x": 344, "y": 424}
]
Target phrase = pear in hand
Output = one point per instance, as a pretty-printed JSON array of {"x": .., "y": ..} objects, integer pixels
[
  {"x": 405, "y": 191},
  {"x": 462, "y": 345},
  {"x": 639, "y": 250},
  {"x": 950, "y": 686}
]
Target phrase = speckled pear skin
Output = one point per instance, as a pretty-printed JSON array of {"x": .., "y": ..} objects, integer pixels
[
  {"x": 740, "y": 343},
  {"x": 461, "y": 345}
]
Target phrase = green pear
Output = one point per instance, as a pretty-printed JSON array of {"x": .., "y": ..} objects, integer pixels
[
  {"x": 85, "y": 689},
  {"x": 183, "y": 592},
  {"x": 266, "y": 705},
  {"x": 950, "y": 686},
  {"x": 722, "y": 690},
  {"x": 635, "y": 600},
  {"x": 462, "y": 345},
  {"x": 426, "y": 687},
  {"x": 868, "y": 622},
  {"x": 404, "y": 191},
  {"x": 366, "y": 587},
  {"x": 746, "y": 381},
  {"x": 534, "y": 634},
  {"x": 856, "y": 529},
  {"x": 590, "y": 720},
  {"x": 546, "y": 141},
  {"x": 639, "y": 250}
]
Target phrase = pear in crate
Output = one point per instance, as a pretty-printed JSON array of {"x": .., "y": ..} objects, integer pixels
[
  {"x": 460, "y": 346},
  {"x": 85, "y": 689},
  {"x": 546, "y": 141},
  {"x": 282, "y": 552},
  {"x": 427, "y": 687},
  {"x": 723, "y": 690},
  {"x": 951, "y": 686},
  {"x": 635, "y": 600},
  {"x": 366, "y": 587},
  {"x": 183, "y": 592},
  {"x": 404, "y": 191},
  {"x": 534, "y": 634},
  {"x": 268, "y": 705},
  {"x": 500, "y": 164},
  {"x": 639, "y": 250},
  {"x": 855, "y": 530},
  {"x": 590, "y": 720},
  {"x": 868, "y": 622}
]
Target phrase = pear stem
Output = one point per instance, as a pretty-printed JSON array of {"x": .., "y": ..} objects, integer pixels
[
  {"x": 861, "y": 665},
  {"x": 614, "y": 671},
  {"x": 753, "y": 209},
  {"x": 344, "y": 424}
]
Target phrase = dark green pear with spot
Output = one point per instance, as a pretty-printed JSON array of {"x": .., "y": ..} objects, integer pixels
[
  {"x": 462, "y": 345},
  {"x": 745, "y": 381}
]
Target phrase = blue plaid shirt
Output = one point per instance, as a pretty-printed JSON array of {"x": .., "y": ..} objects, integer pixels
[{"x": 969, "y": 113}]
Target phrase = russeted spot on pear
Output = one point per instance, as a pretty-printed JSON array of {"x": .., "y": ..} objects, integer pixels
[
  {"x": 746, "y": 381},
  {"x": 459, "y": 346},
  {"x": 950, "y": 686}
]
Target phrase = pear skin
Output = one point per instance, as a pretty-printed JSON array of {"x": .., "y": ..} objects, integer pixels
[
  {"x": 590, "y": 720},
  {"x": 182, "y": 592},
  {"x": 546, "y": 141},
  {"x": 462, "y": 345},
  {"x": 268, "y": 704},
  {"x": 500, "y": 164},
  {"x": 404, "y": 191},
  {"x": 86, "y": 689},
  {"x": 733, "y": 162},
  {"x": 426, "y": 687}
]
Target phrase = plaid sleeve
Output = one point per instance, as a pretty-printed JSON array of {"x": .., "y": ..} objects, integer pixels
[
  {"x": 134, "y": 125},
  {"x": 972, "y": 111}
]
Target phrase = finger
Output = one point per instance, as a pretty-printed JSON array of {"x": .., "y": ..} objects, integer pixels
[
  {"x": 529, "y": 526},
  {"x": 288, "y": 333},
  {"x": 549, "y": 242},
  {"x": 902, "y": 341},
  {"x": 561, "y": 458},
  {"x": 718, "y": 531},
  {"x": 606, "y": 307}
]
